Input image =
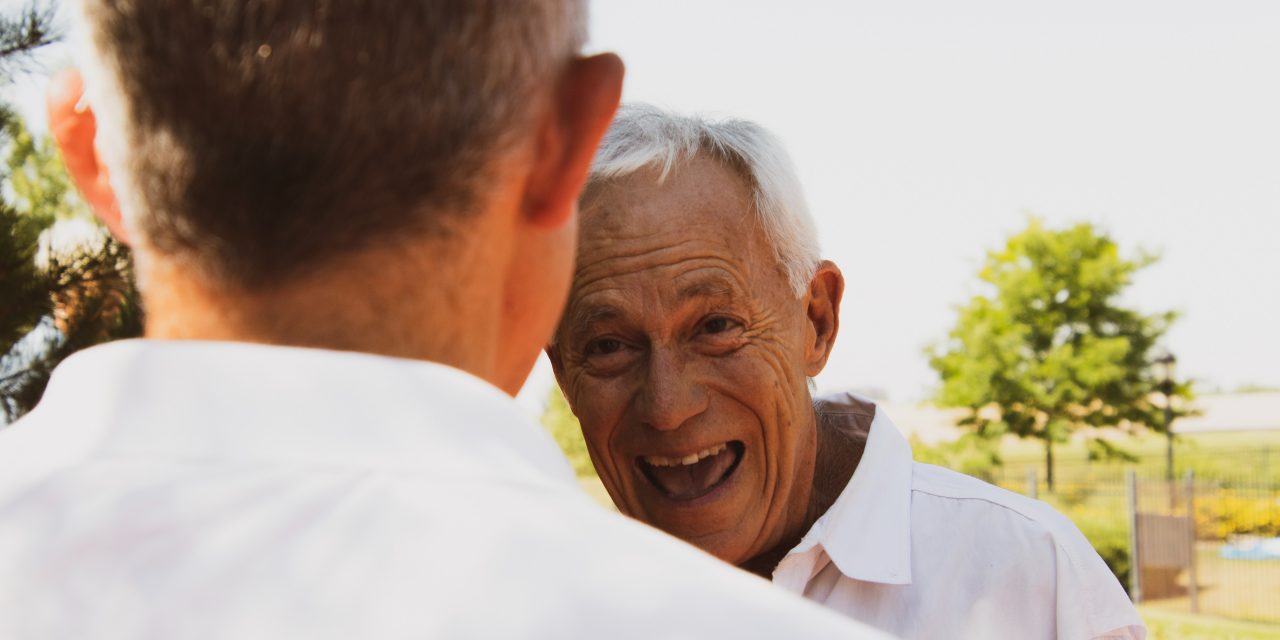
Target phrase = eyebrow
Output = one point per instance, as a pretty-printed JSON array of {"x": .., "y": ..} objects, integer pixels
[{"x": 583, "y": 317}]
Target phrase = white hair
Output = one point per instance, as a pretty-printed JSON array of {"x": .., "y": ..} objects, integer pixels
[{"x": 645, "y": 136}]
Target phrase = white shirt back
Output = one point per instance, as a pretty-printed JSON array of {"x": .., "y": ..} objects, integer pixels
[{"x": 221, "y": 490}]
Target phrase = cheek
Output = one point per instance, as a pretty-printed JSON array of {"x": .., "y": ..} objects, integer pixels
[
  {"x": 764, "y": 379},
  {"x": 600, "y": 408}
]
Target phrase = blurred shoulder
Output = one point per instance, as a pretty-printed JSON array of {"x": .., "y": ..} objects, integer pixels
[
  {"x": 616, "y": 577},
  {"x": 981, "y": 504}
]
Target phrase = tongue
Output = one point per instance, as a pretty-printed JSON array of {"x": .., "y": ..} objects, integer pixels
[{"x": 684, "y": 482}]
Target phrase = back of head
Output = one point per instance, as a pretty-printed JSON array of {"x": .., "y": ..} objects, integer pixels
[{"x": 253, "y": 140}]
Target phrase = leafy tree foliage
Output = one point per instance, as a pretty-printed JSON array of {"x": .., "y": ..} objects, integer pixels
[
  {"x": 38, "y": 178},
  {"x": 1048, "y": 347}
]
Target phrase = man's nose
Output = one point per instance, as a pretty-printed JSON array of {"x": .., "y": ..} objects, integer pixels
[{"x": 670, "y": 396}]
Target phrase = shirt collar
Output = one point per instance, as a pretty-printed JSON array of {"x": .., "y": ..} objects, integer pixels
[
  {"x": 867, "y": 531},
  {"x": 237, "y": 401}
]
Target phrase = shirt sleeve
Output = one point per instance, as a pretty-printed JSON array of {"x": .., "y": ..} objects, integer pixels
[{"x": 1091, "y": 604}]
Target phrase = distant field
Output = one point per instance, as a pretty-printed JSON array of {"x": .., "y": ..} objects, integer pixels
[
  {"x": 1150, "y": 444},
  {"x": 1246, "y": 456}
]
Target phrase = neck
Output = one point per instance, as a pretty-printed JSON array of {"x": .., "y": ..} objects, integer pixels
[
  {"x": 395, "y": 301},
  {"x": 837, "y": 458}
]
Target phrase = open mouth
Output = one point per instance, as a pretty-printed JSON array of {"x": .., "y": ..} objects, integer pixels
[{"x": 694, "y": 475}]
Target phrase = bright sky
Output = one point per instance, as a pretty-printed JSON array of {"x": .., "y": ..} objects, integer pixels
[{"x": 926, "y": 132}]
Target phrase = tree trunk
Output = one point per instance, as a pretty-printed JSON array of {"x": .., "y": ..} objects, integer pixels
[{"x": 1048, "y": 463}]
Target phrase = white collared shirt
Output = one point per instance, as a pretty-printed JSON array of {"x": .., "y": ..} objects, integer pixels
[
  {"x": 221, "y": 490},
  {"x": 925, "y": 552}
]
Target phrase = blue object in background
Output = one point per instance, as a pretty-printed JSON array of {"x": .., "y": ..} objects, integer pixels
[{"x": 1252, "y": 549}]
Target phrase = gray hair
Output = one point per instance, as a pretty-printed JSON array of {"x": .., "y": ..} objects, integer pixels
[
  {"x": 254, "y": 140},
  {"x": 645, "y": 136}
]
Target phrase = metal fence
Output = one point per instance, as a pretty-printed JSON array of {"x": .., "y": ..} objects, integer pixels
[{"x": 1208, "y": 542}]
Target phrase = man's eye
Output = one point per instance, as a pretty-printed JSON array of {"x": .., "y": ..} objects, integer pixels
[
  {"x": 604, "y": 347},
  {"x": 717, "y": 325}
]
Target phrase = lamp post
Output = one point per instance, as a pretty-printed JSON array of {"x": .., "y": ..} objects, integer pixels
[{"x": 1165, "y": 363}]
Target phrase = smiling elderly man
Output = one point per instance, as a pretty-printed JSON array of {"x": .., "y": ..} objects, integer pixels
[{"x": 699, "y": 309}]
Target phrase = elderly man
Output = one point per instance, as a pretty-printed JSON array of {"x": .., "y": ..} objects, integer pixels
[
  {"x": 354, "y": 224},
  {"x": 699, "y": 309}
]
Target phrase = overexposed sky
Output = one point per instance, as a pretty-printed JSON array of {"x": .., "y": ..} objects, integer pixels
[{"x": 925, "y": 132}]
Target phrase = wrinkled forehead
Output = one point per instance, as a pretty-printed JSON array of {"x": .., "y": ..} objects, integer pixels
[
  {"x": 700, "y": 201},
  {"x": 672, "y": 239}
]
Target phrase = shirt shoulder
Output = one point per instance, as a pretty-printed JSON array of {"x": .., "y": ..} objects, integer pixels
[
  {"x": 980, "y": 504},
  {"x": 660, "y": 584},
  {"x": 350, "y": 551},
  {"x": 980, "y": 496},
  {"x": 1033, "y": 539}
]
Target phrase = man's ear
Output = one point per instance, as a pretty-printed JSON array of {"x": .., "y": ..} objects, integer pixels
[
  {"x": 583, "y": 106},
  {"x": 74, "y": 128},
  {"x": 823, "y": 312}
]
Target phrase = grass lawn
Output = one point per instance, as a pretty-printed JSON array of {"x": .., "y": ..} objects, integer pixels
[
  {"x": 1238, "y": 589},
  {"x": 1163, "y": 624}
]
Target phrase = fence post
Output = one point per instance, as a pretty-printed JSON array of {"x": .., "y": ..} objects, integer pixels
[
  {"x": 1032, "y": 489},
  {"x": 1193, "y": 588},
  {"x": 1135, "y": 566}
]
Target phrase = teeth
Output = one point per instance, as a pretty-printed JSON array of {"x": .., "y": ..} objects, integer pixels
[{"x": 663, "y": 461}]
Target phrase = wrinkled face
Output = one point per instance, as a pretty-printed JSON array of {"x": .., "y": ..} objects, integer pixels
[{"x": 682, "y": 352}]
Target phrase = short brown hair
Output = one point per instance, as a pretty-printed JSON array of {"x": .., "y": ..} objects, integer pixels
[{"x": 262, "y": 137}]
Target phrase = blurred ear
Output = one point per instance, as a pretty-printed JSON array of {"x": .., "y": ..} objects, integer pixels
[
  {"x": 825, "y": 291},
  {"x": 584, "y": 105},
  {"x": 74, "y": 128}
]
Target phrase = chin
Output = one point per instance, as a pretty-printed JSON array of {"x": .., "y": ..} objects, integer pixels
[{"x": 729, "y": 546}]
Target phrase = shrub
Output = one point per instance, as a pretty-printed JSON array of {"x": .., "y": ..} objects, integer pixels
[{"x": 1229, "y": 512}]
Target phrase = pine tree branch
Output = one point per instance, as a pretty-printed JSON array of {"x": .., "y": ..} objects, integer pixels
[{"x": 22, "y": 34}]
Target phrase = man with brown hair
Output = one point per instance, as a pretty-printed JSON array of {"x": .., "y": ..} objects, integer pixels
[{"x": 354, "y": 225}]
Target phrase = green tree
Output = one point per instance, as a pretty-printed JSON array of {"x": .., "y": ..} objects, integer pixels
[
  {"x": 21, "y": 286},
  {"x": 38, "y": 178},
  {"x": 1048, "y": 348}
]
